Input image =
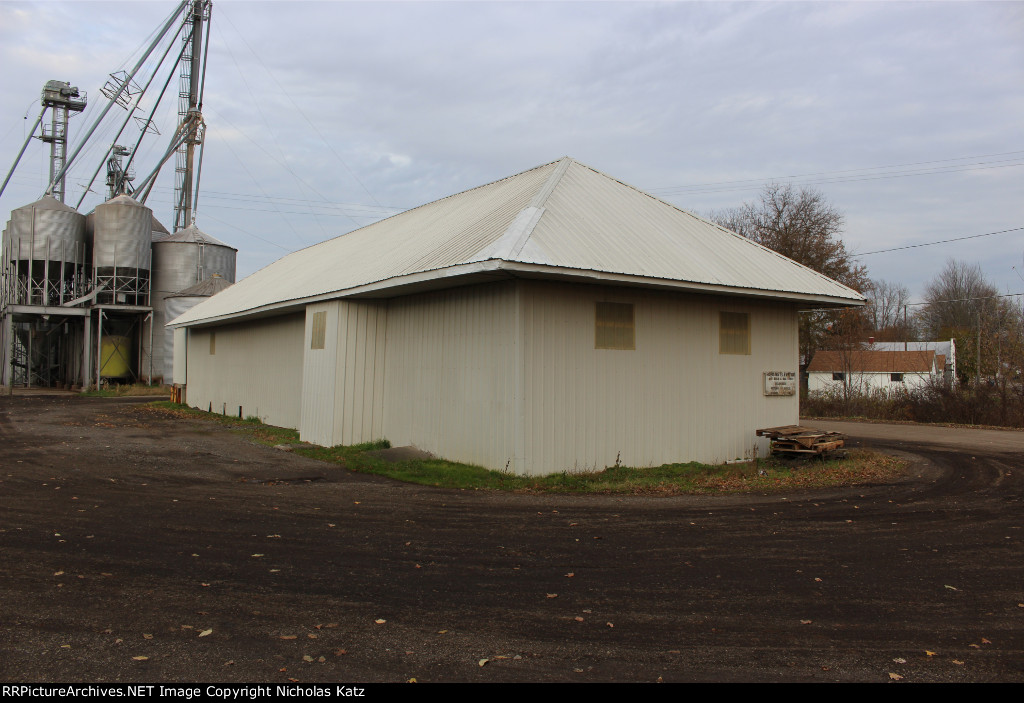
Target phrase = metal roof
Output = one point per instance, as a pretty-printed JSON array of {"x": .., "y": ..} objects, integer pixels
[
  {"x": 191, "y": 234},
  {"x": 944, "y": 347},
  {"x": 48, "y": 202},
  {"x": 562, "y": 219}
]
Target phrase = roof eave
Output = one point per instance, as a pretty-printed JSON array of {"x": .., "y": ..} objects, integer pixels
[{"x": 491, "y": 269}]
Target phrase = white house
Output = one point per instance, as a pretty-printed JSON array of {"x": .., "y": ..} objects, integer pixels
[
  {"x": 557, "y": 319},
  {"x": 864, "y": 370},
  {"x": 946, "y": 350}
]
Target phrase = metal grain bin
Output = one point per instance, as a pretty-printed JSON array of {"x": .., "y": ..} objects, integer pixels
[
  {"x": 122, "y": 231},
  {"x": 180, "y": 261},
  {"x": 44, "y": 254}
]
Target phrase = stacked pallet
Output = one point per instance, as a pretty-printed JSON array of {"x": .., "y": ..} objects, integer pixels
[{"x": 794, "y": 439}]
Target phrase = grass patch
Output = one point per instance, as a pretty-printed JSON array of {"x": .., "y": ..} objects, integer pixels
[
  {"x": 859, "y": 468},
  {"x": 119, "y": 390},
  {"x": 766, "y": 475},
  {"x": 251, "y": 426}
]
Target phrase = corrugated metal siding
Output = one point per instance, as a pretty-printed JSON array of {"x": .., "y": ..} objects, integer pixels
[
  {"x": 257, "y": 365},
  {"x": 359, "y": 399},
  {"x": 180, "y": 355},
  {"x": 449, "y": 373},
  {"x": 319, "y": 378},
  {"x": 674, "y": 398},
  {"x": 343, "y": 383}
]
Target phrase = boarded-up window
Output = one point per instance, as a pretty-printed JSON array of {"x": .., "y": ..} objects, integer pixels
[
  {"x": 319, "y": 330},
  {"x": 213, "y": 343},
  {"x": 733, "y": 333},
  {"x": 614, "y": 328}
]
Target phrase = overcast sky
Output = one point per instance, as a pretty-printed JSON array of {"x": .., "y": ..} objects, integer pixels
[{"x": 325, "y": 116}]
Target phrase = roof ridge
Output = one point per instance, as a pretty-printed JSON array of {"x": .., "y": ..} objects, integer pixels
[{"x": 515, "y": 237}]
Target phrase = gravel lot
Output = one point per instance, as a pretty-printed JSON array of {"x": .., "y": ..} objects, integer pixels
[{"x": 139, "y": 548}]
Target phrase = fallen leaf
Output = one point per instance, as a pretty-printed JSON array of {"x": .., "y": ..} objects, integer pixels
[
  {"x": 411, "y": 681},
  {"x": 578, "y": 619},
  {"x": 894, "y": 677},
  {"x": 65, "y": 646},
  {"x": 147, "y": 637},
  {"x": 806, "y": 622},
  {"x": 609, "y": 624},
  {"x": 483, "y": 661},
  {"x": 257, "y": 555},
  {"x": 204, "y": 633},
  {"x": 552, "y": 595},
  {"x": 441, "y": 632},
  {"x": 340, "y": 652},
  {"x": 985, "y": 641},
  {"x": 307, "y": 658},
  {"x": 569, "y": 575},
  {"x": 289, "y": 637},
  {"x": 140, "y": 659},
  {"x": 900, "y": 660},
  {"x": 58, "y": 573},
  {"x": 958, "y": 662},
  {"x": 321, "y": 659},
  {"x": 311, "y": 636},
  {"x": 380, "y": 621},
  {"x": 952, "y": 588},
  {"x": 929, "y": 653}
]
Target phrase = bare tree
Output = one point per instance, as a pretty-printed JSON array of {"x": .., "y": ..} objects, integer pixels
[
  {"x": 802, "y": 225},
  {"x": 886, "y": 314},
  {"x": 962, "y": 304},
  {"x": 953, "y": 299}
]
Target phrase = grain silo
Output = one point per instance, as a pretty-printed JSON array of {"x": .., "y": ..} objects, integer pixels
[
  {"x": 122, "y": 231},
  {"x": 180, "y": 261},
  {"x": 43, "y": 271}
]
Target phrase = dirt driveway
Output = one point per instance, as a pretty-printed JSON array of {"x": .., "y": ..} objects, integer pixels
[{"x": 127, "y": 535}]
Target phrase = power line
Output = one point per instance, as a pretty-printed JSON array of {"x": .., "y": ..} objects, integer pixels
[
  {"x": 942, "y": 241},
  {"x": 758, "y": 181}
]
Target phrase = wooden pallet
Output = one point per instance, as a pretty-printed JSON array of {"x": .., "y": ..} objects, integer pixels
[{"x": 794, "y": 439}]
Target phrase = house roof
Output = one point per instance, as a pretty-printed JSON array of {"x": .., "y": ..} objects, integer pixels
[
  {"x": 560, "y": 220},
  {"x": 859, "y": 361}
]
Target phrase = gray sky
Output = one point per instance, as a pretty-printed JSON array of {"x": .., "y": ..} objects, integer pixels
[{"x": 325, "y": 116}]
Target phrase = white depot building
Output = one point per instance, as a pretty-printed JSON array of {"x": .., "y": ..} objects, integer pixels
[{"x": 557, "y": 319}]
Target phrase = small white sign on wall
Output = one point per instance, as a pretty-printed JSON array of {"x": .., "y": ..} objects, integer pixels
[{"x": 780, "y": 382}]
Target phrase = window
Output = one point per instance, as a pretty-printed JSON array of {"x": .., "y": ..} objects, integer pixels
[
  {"x": 896, "y": 378},
  {"x": 316, "y": 340},
  {"x": 838, "y": 376},
  {"x": 213, "y": 343},
  {"x": 614, "y": 327},
  {"x": 733, "y": 333}
]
